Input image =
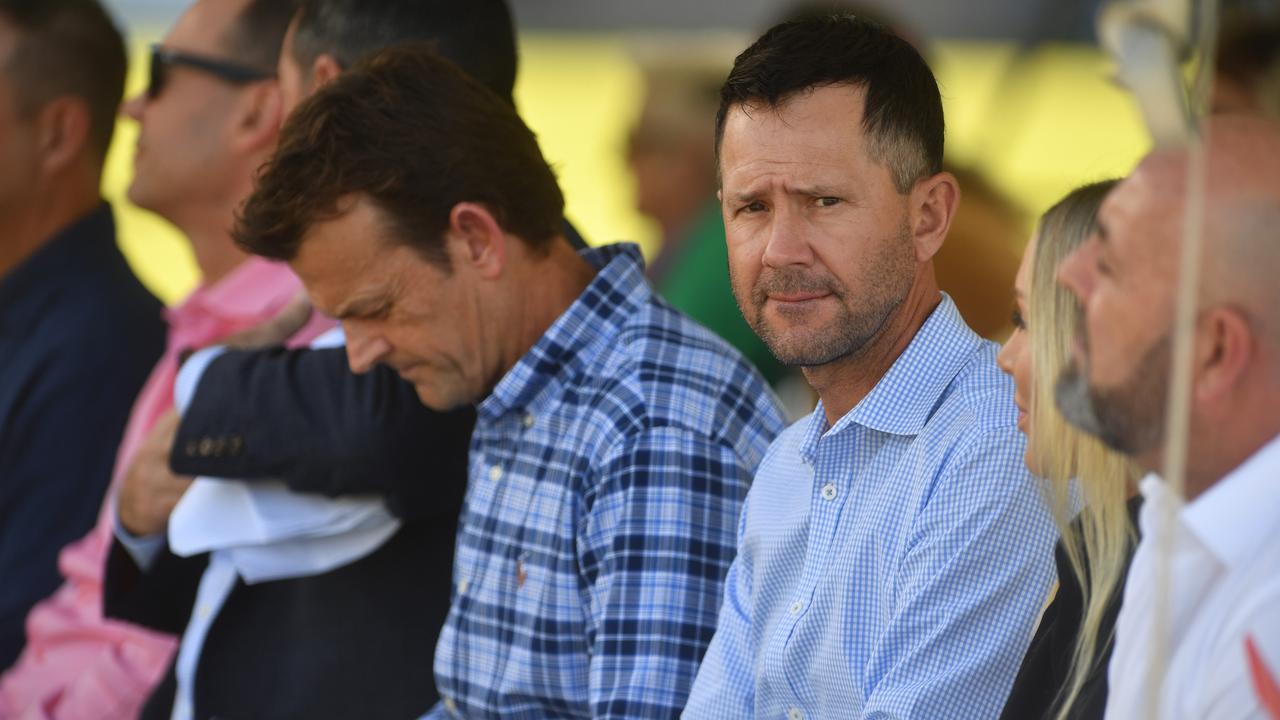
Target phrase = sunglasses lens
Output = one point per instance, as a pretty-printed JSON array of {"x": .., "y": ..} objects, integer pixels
[{"x": 156, "y": 84}]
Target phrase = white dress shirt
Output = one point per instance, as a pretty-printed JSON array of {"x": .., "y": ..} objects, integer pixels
[{"x": 1224, "y": 588}]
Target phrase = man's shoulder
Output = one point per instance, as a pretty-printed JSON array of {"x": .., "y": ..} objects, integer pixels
[
  {"x": 980, "y": 395},
  {"x": 665, "y": 370},
  {"x": 660, "y": 349}
]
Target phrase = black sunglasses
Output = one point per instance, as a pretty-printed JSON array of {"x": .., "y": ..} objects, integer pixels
[{"x": 163, "y": 58}]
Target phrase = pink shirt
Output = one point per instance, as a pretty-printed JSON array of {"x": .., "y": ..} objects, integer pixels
[{"x": 76, "y": 664}]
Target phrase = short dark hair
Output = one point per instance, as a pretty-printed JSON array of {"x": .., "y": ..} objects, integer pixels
[
  {"x": 254, "y": 39},
  {"x": 903, "y": 114},
  {"x": 70, "y": 47},
  {"x": 417, "y": 136},
  {"x": 477, "y": 35}
]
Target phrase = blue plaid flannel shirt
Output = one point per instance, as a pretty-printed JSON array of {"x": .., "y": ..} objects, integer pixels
[
  {"x": 608, "y": 470},
  {"x": 891, "y": 565}
]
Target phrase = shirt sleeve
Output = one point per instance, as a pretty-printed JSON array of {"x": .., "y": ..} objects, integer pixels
[
  {"x": 725, "y": 686},
  {"x": 968, "y": 591},
  {"x": 657, "y": 541},
  {"x": 142, "y": 548}
]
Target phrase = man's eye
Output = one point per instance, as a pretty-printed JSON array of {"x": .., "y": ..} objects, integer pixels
[
  {"x": 754, "y": 207},
  {"x": 376, "y": 313},
  {"x": 828, "y": 201}
]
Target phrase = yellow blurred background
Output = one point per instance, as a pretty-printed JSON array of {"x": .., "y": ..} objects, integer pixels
[{"x": 1037, "y": 123}]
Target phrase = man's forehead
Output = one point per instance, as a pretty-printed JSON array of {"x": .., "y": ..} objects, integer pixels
[
  {"x": 814, "y": 127},
  {"x": 204, "y": 26},
  {"x": 806, "y": 105}
]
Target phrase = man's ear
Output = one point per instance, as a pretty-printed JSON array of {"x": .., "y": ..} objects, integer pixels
[
  {"x": 62, "y": 128},
  {"x": 257, "y": 124},
  {"x": 477, "y": 240},
  {"x": 324, "y": 70},
  {"x": 1225, "y": 348},
  {"x": 933, "y": 203}
]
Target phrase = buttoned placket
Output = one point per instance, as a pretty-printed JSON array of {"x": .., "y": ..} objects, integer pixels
[{"x": 830, "y": 465}]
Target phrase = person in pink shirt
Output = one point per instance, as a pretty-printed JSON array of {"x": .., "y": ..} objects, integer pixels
[{"x": 207, "y": 121}]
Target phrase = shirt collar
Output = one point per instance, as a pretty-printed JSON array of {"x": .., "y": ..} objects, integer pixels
[
  {"x": 255, "y": 287},
  {"x": 905, "y": 398},
  {"x": 1239, "y": 513},
  {"x": 580, "y": 334}
]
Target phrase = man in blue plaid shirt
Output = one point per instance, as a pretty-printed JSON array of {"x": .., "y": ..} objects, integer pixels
[
  {"x": 894, "y": 552},
  {"x": 615, "y": 438}
]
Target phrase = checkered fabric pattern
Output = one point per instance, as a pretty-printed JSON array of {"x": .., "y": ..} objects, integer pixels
[
  {"x": 608, "y": 470},
  {"x": 891, "y": 565}
]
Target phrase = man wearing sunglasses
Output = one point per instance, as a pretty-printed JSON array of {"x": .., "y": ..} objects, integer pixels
[
  {"x": 78, "y": 332},
  {"x": 208, "y": 121}
]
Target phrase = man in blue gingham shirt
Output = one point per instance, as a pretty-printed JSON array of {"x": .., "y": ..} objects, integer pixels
[
  {"x": 607, "y": 471},
  {"x": 894, "y": 552},
  {"x": 892, "y": 564}
]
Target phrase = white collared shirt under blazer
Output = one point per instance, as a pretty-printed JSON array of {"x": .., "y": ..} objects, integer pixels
[{"x": 1224, "y": 557}]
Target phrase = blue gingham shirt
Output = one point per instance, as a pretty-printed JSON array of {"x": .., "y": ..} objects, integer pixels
[
  {"x": 608, "y": 470},
  {"x": 893, "y": 564}
]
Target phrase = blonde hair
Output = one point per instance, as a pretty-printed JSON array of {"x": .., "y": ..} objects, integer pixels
[{"x": 1098, "y": 541}]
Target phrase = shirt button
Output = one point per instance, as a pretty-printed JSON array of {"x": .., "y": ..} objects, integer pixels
[
  {"x": 829, "y": 491},
  {"x": 796, "y": 607},
  {"x": 495, "y": 472},
  {"x": 795, "y": 714},
  {"x": 527, "y": 420},
  {"x": 450, "y": 705},
  {"x": 463, "y": 586},
  {"x": 203, "y": 612}
]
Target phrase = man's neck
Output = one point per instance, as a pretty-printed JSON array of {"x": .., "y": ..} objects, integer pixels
[
  {"x": 29, "y": 227},
  {"x": 553, "y": 284},
  {"x": 209, "y": 233},
  {"x": 1214, "y": 454},
  {"x": 842, "y": 384}
]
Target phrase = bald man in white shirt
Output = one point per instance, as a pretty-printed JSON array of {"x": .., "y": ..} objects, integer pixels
[{"x": 1223, "y": 538}]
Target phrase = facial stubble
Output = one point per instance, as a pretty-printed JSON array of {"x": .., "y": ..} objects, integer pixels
[
  {"x": 858, "y": 320},
  {"x": 1128, "y": 417}
]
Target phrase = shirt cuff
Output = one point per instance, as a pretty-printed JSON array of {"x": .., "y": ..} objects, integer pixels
[
  {"x": 143, "y": 549},
  {"x": 184, "y": 386}
]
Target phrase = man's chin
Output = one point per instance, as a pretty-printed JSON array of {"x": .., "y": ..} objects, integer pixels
[
  {"x": 431, "y": 397},
  {"x": 1075, "y": 400}
]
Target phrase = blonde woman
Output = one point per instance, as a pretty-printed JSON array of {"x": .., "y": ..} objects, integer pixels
[{"x": 1064, "y": 674}]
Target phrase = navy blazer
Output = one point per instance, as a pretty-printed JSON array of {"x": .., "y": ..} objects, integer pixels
[
  {"x": 358, "y": 641},
  {"x": 78, "y": 337}
]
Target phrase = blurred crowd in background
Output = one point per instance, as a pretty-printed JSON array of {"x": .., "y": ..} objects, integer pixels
[{"x": 626, "y": 118}]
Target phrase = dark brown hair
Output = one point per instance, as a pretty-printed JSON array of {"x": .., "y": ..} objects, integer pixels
[
  {"x": 903, "y": 113},
  {"x": 477, "y": 34},
  {"x": 417, "y": 136},
  {"x": 255, "y": 37},
  {"x": 69, "y": 47}
]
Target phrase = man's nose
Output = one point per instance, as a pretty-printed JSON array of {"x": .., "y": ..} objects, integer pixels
[
  {"x": 132, "y": 107},
  {"x": 787, "y": 242},
  {"x": 365, "y": 350},
  {"x": 1075, "y": 273}
]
